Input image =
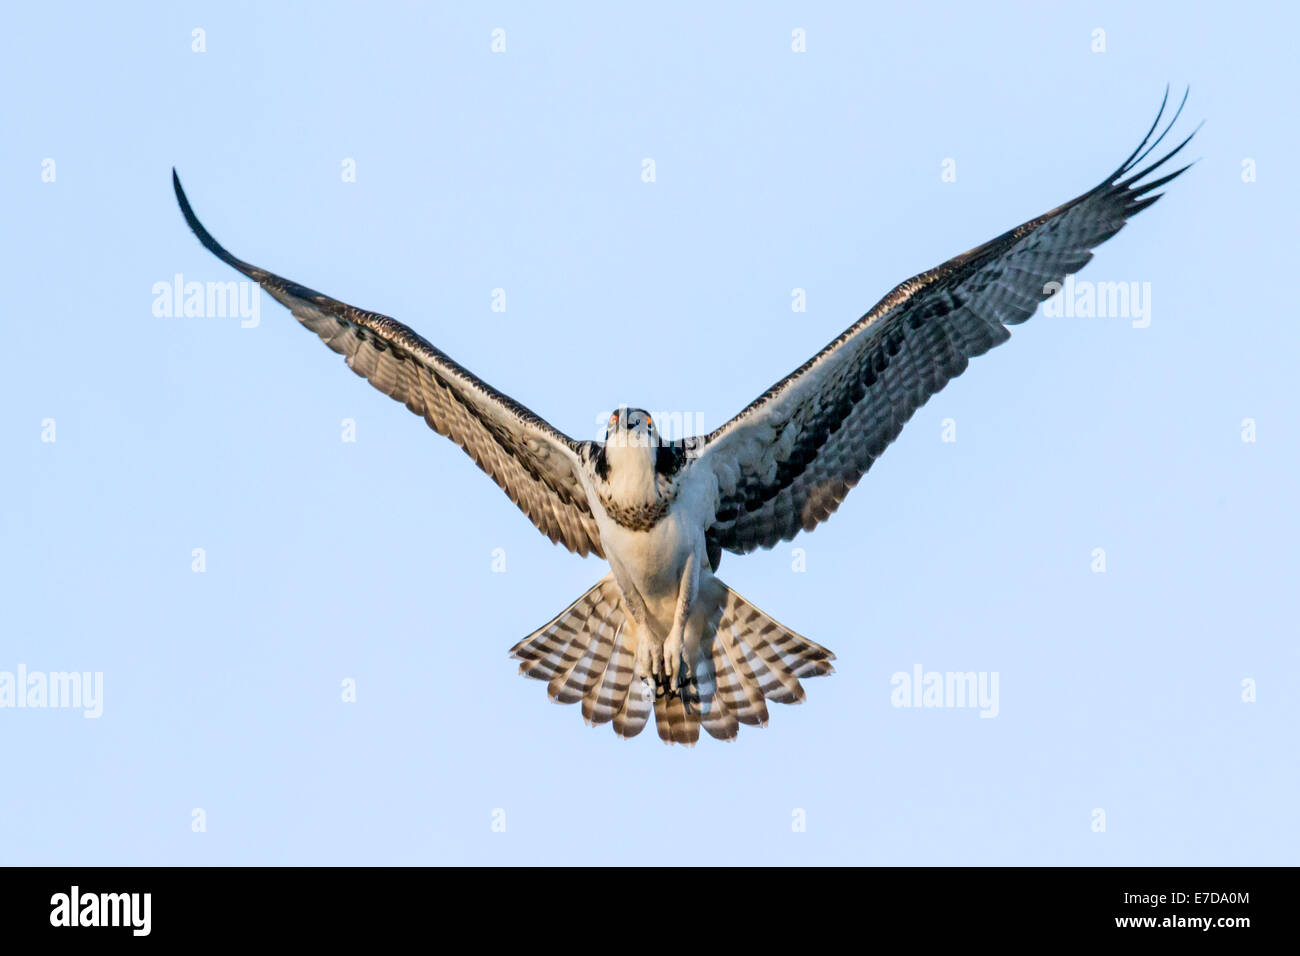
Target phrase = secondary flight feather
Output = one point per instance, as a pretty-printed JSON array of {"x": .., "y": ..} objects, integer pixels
[{"x": 660, "y": 633}]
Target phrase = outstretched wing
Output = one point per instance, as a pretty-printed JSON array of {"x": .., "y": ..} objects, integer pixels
[
  {"x": 787, "y": 461},
  {"x": 536, "y": 465}
]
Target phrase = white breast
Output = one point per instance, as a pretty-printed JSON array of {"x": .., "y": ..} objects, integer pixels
[{"x": 654, "y": 560}]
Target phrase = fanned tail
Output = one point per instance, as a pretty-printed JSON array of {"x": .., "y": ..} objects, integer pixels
[{"x": 742, "y": 658}]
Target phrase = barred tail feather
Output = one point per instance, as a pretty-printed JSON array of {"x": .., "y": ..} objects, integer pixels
[
  {"x": 677, "y": 721},
  {"x": 631, "y": 719},
  {"x": 775, "y": 652},
  {"x": 737, "y": 685},
  {"x": 604, "y": 699},
  {"x": 575, "y": 682},
  {"x": 551, "y": 652},
  {"x": 743, "y": 658},
  {"x": 586, "y": 653},
  {"x": 756, "y": 657}
]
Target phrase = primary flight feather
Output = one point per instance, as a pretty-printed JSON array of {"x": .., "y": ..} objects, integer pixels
[{"x": 661, "y": 633}]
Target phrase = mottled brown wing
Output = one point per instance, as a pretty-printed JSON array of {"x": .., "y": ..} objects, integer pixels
[
  {"x": 786, "y": 462},
  {"x": 536, "y": 465}
]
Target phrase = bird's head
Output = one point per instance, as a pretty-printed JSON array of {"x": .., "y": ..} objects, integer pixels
[
  {"x": 635, "y": 470},
  {"x": 631, "y": 428},
  {"x": 633, "y": 449}
]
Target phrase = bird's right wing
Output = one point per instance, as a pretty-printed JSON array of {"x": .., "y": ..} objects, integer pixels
[{"x": 534, "y": 463}]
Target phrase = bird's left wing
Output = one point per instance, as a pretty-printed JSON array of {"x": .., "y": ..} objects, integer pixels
[
  {"x": 787, "y": 461},
  {"x": 534, "y": 463}
]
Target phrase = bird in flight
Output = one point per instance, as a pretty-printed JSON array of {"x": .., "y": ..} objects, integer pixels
[{"x": 660, "y": 632}]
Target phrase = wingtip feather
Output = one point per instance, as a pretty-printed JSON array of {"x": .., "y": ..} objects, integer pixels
[{"x": 199, "y": 230}]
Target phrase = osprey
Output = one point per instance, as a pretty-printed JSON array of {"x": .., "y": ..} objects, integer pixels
[{"x": 660, "y": 632}]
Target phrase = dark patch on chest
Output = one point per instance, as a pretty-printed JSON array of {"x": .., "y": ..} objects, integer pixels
[{"x": 640, "y": 517}]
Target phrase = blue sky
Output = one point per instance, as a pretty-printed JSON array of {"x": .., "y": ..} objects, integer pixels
[{"x": 372, "y": 560}]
